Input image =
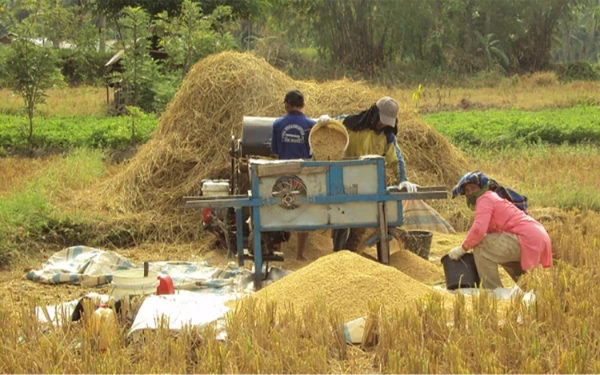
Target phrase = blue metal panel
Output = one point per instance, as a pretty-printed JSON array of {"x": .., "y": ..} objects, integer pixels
[
  {"x": 239, "y": 228},
  {"x": 256, "y": 228},
  {"x": 381, "y": 183},
  {"x": 335, "y": 180},
  {"x": 312, "y": 163}
]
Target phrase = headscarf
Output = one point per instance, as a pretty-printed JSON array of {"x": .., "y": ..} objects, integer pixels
[
  {"x": 368, "y": 119},
  {"x": 485, "y": 183},
  {"x": 476, "y": 178}
]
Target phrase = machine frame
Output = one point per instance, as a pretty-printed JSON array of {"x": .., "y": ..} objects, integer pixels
[{"x": 336, "y": 194}]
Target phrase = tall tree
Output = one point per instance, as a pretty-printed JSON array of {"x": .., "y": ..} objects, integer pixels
[
  {"x": 239, "y": 8},
  {"x": 542, "y": 17},
  {"x": 191, "y": 34},
  {"x": 31, "y": 70}
]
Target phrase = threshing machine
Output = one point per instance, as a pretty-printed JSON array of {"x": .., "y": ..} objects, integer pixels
[{"x": 298, "y": 195}]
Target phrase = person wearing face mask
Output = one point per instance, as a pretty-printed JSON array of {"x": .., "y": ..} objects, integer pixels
[
  {"x": 373, "y": 132},
  {"x": 502, "y": 233}
]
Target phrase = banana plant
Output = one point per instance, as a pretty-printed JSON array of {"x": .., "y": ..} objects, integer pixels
[{"x": 490, "y": 49}]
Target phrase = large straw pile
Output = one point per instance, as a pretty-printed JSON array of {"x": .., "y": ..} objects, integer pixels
[
  {"x": 347, "y": 282},
  {"x": 192, "y": 140}
]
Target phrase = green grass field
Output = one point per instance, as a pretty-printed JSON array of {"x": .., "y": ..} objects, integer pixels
[{"x": 497, "y": 128}]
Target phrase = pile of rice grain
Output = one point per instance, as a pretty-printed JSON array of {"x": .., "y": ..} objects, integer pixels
[
  {"x": 417, "y": 267},
  {"x": 347, "y": 282},
  {"x": 328, "y": 143}
]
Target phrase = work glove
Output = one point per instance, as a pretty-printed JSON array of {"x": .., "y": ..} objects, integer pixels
[
  {"x": 456, "y": 253},
  {"x": 410, "y": 187},
  {"x": 324, "y": 118}
]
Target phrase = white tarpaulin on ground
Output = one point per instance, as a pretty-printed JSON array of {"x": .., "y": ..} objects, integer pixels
[
  {"x": 201, "y": 290},
  {"x": 80, "y": 265},
  {"x": 180, "y": 310},
  {"x": 57, "y": 314}
]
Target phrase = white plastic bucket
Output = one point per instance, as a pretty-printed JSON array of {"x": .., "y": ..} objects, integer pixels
[
  {"x": 133, "y": 283},
  {"x": 332, "y": 124},
  {"x": 215, "y": 188}
]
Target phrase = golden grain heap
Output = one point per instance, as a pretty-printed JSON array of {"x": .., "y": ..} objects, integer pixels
[
  {"x": 328, "y": 142},
  {"x": 416, "y": 267},
  {"x": 192, "y": 139},
  {"x": 346, "y": 282}
]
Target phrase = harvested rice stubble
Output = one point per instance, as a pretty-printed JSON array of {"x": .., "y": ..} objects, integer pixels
[{"x": 347, "y": 282}]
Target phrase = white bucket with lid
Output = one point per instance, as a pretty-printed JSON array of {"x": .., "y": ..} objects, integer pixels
[
  {"x": 133, "y": 283},
  {"x": 215, "y": 188}
]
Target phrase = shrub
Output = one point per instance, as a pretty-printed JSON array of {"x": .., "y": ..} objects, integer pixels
[
  {"x": 541, "y": 79},
  {"x": 82, "y": 68},
  {"x": 3, "y": 71},
  {"x": 577, "y": 70}
]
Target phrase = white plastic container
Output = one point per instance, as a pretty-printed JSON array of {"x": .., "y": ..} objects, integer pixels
[
  {"x": 215, "y": 188},
  {"x": 133, "y": 283},
  {"x": 103, "y": 326}
]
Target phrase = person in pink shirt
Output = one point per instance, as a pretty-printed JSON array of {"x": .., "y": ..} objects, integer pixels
[{"x": 501, "y": 234}]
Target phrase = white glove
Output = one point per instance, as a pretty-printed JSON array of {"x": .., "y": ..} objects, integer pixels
[
  {"x": 456, "y": 253},
  {"x": 324, "y": 118},
  {"x": 410, "y": 187}
]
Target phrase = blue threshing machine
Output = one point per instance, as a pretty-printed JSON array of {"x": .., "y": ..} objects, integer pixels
[{"x": 305, "y": 195}]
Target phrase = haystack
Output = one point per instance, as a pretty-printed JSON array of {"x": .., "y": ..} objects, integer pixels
[{"x": 192, "y": 140}]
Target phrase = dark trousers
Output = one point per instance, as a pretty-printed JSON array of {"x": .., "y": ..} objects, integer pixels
[{"x": 347, "y": 239}]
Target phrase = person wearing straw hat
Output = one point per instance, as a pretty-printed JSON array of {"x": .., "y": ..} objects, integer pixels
[
  {"x": 373, "y": 132},
  {"x": 502, "y": 233},
  {"x": 289, "y": 140}
]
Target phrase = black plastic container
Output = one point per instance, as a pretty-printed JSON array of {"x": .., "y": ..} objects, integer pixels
[
  {"x": 418, "y": 242},
  {"x": 460, "y": 273},
  {"x": 256, "y": 136}
]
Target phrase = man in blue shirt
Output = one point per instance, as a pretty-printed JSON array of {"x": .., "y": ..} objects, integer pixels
[{"x": 289, "y": 140}]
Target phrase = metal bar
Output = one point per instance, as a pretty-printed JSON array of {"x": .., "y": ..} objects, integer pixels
[
  {"x": 383, "y": 236},
  {"x": 394, "y": 189},
  {"x": 239, "y": 233},
  {"x": 373, "y": 240},
  {"x": 311, "y": 163},
  {"x": 246, "y": 201},
  {"x": 257, "y": 250},
  {"x": 215, "y": 202},
  {"x": 203, "y": 198},
  {"x": 309, "y": 227}
]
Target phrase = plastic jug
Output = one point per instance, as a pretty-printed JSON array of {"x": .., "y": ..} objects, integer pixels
[
  {"x": 103, "y": 326},
  {"x": 165, "y": 285}
]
